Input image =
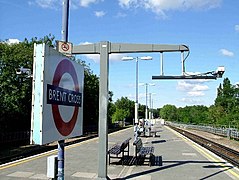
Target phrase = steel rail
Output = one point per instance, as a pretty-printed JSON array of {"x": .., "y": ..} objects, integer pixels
[{"x": 224, "y": 152}]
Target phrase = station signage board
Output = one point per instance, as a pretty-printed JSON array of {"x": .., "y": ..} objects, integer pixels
[
  {"x": 64, "y": 47},
  {"x": 57, "y": 96}
]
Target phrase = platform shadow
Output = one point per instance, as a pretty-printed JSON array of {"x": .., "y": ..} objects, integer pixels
[
  {"x": 159, "y": 141},
  {"x": 221, "y": 171},
  {"x": 149, "y": 136},
  {"x": 143, "y": 161},
  {"x": 179, "y": 163}
]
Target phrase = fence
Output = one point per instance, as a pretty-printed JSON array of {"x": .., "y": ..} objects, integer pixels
[
  {"x": 14, "y": 137},
  {"x": 226, "y": 132}
]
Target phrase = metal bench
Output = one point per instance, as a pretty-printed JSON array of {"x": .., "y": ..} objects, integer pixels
[
  {"x": 141, "y": 151},
  {"x": 153, "y": 132},
  {"x": 118, "y": 149}
]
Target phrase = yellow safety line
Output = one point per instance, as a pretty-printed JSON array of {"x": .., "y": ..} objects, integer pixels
[
  {"x": 202, "y": 151},
  {"x": 31, "y": 158},
  {"x": 216, "y": 160},
  {"x": 21, "y": 161}
]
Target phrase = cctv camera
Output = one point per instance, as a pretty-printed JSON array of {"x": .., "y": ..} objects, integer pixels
[
  {"x": 220, "y": 71},
  {"x": 23, "y": 71}
]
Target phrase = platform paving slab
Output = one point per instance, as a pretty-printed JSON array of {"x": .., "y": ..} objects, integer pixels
[{"x": 176, "y": 157}]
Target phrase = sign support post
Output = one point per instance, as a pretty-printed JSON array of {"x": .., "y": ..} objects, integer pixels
[{"x": 61, "y": 143}]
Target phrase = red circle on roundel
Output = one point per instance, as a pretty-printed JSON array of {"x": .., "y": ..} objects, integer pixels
[{"x": 64, "y": 128}]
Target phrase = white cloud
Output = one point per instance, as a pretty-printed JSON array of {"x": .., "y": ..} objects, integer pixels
[
  {"x": 57, "y": 4},
  {"x": 237, "y": 28},
  {"x": 112, "y": 57},
  {"x": 226, "y": 52},
  {"x": 141, "y": 96},
  {"x": 127, "y": 3},
  {"x": 195, "y": 93},
  {"x": 121, "y": 15},
  {"x": 116, "y": 57},
  {"x": 94, "y": 57},
  {"x": 86, "y": 3},
  {"x": 12, "y": 41},
  {"x": 192, "y": 86},
  {"x": 99, "y": 13},
  {"x": 199, "y": 87},
  {"x": 191, "y": 100},
  {"x": 161, "y": 6},
  {"x": 46, "y": 4},
  {"x": 85, "y": 43}
]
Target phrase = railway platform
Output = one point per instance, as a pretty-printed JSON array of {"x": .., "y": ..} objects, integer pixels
[{"x": 176, "y": 157}]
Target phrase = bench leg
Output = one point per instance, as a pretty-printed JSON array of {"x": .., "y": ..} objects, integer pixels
[
  {"x": 136, "y": 159},
  {"x": 128, "y": 150},
  {"x": 151, "y": 159}
]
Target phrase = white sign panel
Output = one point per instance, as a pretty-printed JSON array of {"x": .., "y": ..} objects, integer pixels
[{"x": 57, "y": 96}]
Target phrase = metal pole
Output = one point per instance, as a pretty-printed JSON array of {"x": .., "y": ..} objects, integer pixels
[
  {"x": 182, "y": 60},
  {"x": 161, "y": 59},
  {"x": 150, "y": 106},
  {"x": 136, "y": 99},
  {"x": 61, "y": 143},
  {"x": 103, "y": 111},
  {"x": 61, "y": 156},
  {"x": 146, "y": 111},
  {"x": 65, "y": 17}
]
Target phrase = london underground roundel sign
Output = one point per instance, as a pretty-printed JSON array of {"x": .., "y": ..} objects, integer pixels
[
  {"x": 57, "y": 98},
  {"x": 60, "y": 96}
]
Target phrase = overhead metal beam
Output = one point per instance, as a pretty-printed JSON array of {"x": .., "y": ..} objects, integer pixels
[
  {"x": 135, "y": 48},
  {"x": 182, "y": 77},
  {"x": 128, "y": 48},
  {"x": 86, "y": 49}
]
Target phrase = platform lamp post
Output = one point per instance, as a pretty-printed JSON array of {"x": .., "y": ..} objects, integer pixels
[
  {"x": 146, "y": 100},
  {"x": 151, "y": 105},
  {"x": 128, "y": 58}
]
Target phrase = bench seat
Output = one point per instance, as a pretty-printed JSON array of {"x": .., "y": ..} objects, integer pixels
[
  {"x": 141, "y": 151},
  {"x": 118, "y": 149},
  {"x": 154, "y": 132}
]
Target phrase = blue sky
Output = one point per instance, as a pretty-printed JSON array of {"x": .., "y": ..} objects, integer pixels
[{"x": 209, "y": 27}]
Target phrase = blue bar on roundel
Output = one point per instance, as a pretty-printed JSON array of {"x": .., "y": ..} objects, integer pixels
[{"x": 62, "y": 96}]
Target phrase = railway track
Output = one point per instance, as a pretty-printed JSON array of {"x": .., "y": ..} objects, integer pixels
[{"x": 224, "y": 152}]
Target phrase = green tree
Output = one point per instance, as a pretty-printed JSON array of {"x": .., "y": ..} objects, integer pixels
[
  {"x": 91, "y": 99},
  {"x": 124, "y": 110},
  {"x": 141, "y": 111},
  {"x": 225, "y": 95},
  {"x": 169, "y": 112},
  {"x": 120, "y": 115},
  {"x": 183, "y": 115},
  {"x": 15, "y": 90},
  {"x": 155, "y": 113},
  {"x": 228, "y": 103}
]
